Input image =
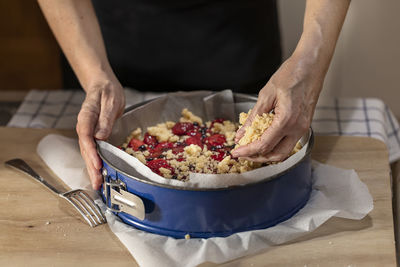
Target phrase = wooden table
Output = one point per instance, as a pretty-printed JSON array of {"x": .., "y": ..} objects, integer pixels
[{"x": 36, "y": 228}]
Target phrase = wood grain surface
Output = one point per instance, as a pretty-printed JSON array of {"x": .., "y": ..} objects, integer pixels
[{"x": 37, "y": 228}]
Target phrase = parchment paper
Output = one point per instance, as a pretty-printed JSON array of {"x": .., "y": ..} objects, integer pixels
[
  {"x": 336, "y": 192},
  {"x": 208, "y": 106}
]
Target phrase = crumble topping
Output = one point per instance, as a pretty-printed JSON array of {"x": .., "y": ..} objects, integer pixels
[
  {"x": 161, "y": 132},
  {"x": 174, "y": 150},
  {"x": 257, "y": 127},
  {"x": 188, "y": 116}
]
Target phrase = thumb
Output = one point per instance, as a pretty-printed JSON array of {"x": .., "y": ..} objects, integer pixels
[
  {"x": 248, "y": 122},
  {"x": 265, "y": 103}
]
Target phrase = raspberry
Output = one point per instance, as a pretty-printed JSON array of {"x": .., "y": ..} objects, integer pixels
[
  {"x": 194, "y": 141},
  {"x": 216, "y": 120},
  {"x": 178, "y": 148},
  {"x": 164, "y": 146},
  {"x": 181, "y": 128},
  {"x": 216, "y": 140},
  {"x": 150, "y": 140},
  {"x": 156, "y": 164},
  {"x": 135, "y": 144},
  {"x": 194, "y": 133},
  {"x": 218, "y": 157},
  {"x": 154, "y": 153}
]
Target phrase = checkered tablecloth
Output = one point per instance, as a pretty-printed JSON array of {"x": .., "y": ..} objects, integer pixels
[{"x": 368, "y": 117}]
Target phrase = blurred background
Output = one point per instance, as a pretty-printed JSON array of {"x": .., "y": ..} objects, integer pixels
[{"x": 365, "y": 63}]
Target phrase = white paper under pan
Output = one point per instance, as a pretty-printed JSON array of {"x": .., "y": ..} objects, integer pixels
[
  {"x": 169, "y": 108},
  {"x": 336, "y": 192}
]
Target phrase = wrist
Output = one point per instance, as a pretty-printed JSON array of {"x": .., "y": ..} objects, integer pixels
[
  {"x": 100, "y": 80},
  {"x": 308, "y": 71},
  {"x": 313, "y": 51}
]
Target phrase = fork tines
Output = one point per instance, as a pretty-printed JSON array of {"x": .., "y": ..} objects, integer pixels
[{"x": 85, "y": 206}]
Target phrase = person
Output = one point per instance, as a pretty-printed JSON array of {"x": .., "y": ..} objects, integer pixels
[{"x": 195, "y": 44}]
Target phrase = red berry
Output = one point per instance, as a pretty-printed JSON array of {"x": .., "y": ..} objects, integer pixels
[
  {"x": 216, "y": 120},
  {"x": 218, "y": 157},
  {"x": 150, "y": 140},
  {"x": 156, "y": 164},
  {"x": 135, "y": 144},
  {"x": 194, "y": 141},
  {"x": 181, "y": 128},
  {"x": 178, "y": 148},
  {"x": 164, "y": 146},
  {"x": 154, "y": 153},
  {"x": 216, "y": 140},
  {"x": 194, "y": 133}
]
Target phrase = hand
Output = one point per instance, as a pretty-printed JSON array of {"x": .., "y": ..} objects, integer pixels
[
  {"x": 292, "y": 92},
  {"x": 104, "y": 103}
]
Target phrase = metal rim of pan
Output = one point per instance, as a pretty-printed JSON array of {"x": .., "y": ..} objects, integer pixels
[{"x": 276, "y": 176}]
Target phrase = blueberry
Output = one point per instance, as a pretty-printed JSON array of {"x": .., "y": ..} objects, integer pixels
[{"x": 142, "y": 148}]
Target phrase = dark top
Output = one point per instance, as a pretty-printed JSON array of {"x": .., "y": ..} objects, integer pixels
[{"x": 168, "y": 45}]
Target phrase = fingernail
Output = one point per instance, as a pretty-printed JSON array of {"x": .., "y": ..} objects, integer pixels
[
  {"x": 96, "y": 186},
  {"x": 100, "y": 134},
  {"x": 97, "y": 165},
  {"x": 234, "y": 153},
  {"x": 97, "y": 180}
]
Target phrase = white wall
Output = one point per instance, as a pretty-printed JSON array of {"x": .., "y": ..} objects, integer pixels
[{"x": 367, "y": 58}]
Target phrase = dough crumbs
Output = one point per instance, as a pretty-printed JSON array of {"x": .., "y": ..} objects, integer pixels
[
  {"x": 193, "y": 150},
  {"x": 174, "y": 150},
  {"x": 228, "y": 129},
  {"x": 258, "y": 126},
  {"x": 188, "y": 116},
  {"x": 256, "y": 129},
  {"x": 161, "y": 132},
  {"x": 166, "y": 172},
  {"x": 134, "y": 134},
  {"x": 187, "y": 236}
]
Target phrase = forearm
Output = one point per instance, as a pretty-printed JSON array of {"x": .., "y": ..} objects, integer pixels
[
  {"x": 75, "y": 26},
  {"x": 323, "y": 21}
]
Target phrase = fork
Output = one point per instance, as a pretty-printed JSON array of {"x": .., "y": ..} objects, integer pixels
[{"x": 78, "y": 198}]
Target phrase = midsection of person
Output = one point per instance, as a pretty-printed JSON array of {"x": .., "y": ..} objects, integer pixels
[{"x": 195, "y": 44}]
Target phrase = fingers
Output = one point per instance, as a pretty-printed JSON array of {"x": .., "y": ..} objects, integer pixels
[
  {"x": 93, "y": 171},
  {"x": 248, "y": 122},
  {"x": 264, "y": 145},
  {"x": 279, "y": 153},
  {"x": 87, "y": 119},
  {"x": 263, "y": 105},
  {"x": 101, "y": 107},
  {"x": 109, "y": 111}
]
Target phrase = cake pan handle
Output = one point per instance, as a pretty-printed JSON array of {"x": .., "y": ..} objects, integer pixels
[{"x": 118, "y": 199}]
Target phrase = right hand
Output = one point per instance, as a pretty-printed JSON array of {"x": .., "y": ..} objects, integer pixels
[{"x": 104, "y": 103}]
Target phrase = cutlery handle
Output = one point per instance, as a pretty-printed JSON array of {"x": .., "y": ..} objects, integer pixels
[{"x": 22, "y": 166}]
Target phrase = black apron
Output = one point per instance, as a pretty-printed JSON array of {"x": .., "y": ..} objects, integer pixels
[{"x": 170, "y": 45}]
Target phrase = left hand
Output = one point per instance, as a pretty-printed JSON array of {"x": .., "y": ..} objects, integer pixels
[{"x": 292, "y": 92}]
